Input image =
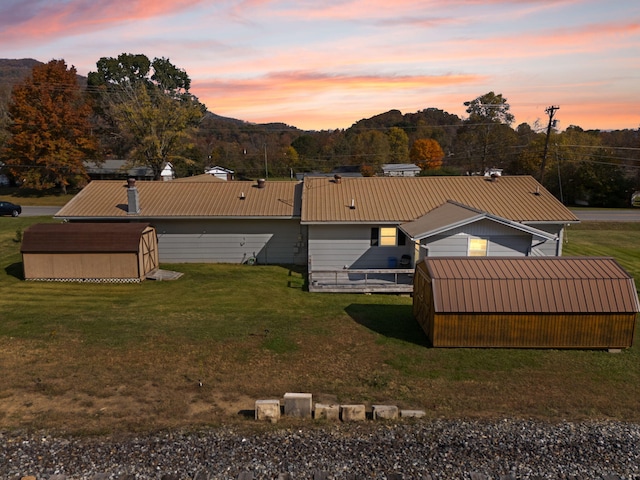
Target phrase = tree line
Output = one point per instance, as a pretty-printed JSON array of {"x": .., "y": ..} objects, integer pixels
[{"x": 142, "y": 110}]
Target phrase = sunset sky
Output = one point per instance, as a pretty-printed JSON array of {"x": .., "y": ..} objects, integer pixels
[{"x": 327, "y": 64}]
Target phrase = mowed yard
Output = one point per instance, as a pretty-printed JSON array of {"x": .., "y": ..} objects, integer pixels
[{"x": 199, "y": 351}]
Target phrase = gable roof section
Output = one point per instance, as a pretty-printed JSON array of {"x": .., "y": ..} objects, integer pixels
[
  {"x": 453, "y": 215},
  {"x": 405, "y": 199},
  {"x": 530, "y": 285},
  {"x": 108, "y": 200},
  {"x": 82, "y": 237}
]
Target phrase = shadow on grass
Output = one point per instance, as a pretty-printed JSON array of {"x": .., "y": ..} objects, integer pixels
[
  {"x": 15, "y": 270},
  {"x": 392, "y": 321}
]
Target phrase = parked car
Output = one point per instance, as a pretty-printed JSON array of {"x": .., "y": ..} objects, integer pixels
[{"x": 8, "y": 208}]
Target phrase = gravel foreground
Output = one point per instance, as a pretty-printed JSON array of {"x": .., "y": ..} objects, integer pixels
[{"x": 426, "y": 449}]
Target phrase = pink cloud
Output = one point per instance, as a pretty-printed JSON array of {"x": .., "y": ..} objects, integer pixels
[{"x": 35, "y": 20}]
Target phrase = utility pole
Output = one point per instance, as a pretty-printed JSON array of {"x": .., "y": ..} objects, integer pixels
[
  {"x": 551, "y": 111},
  {"x": 266, "y": 170}
]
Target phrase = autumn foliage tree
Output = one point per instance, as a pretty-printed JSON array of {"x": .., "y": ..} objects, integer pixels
[
  {"x": 50, "y": 129},
  {"x": 426, "y": 153}
]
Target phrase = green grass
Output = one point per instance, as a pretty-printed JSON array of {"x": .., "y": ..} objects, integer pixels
[{"x": 105, "y": 357}]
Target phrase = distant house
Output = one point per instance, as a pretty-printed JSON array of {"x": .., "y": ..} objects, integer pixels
[
  {"x": 400, "y": 170},
  {"x": 220, "y": 172},
  {"x": 113, "y": 169},
  {"x": 525, "y": 302},
  {"x": 168, "y": 173}
]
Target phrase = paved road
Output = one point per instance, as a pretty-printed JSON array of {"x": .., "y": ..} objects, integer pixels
[
  {"x": 39, "y": 211},
  {"x": 615, "y": 215}
]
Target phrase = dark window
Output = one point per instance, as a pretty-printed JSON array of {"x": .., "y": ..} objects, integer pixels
[{"x": 375, "y": 233}]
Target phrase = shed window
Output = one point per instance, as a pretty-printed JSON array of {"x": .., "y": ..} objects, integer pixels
[{"x": 477, "y": 247}]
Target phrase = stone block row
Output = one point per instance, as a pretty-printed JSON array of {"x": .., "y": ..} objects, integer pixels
[{"x": 300, "y": 405}]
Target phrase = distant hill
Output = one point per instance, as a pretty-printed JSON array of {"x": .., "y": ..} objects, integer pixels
[{"x": 13, "y": 71}]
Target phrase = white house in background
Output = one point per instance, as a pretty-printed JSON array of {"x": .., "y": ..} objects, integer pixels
[
  {"x": 168, "y": 173},
  {"x": 220, "y": 172},
  {"x": 400, "y": 170}
]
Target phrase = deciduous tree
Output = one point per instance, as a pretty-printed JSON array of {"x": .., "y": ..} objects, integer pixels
[
  {"x": 147, "y": 104},
  {"x": 426, "y": 153},
  {"x": 50, "y": 129},
  {"x": 398, "y": 145},
  {"x": 481, "y": 141}
]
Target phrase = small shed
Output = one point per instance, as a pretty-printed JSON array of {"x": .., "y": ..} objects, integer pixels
[
  {"x": 525, "y": 302},
  {"x": 89, "y": 252}
]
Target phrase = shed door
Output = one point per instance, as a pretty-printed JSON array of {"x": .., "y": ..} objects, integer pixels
[{"x": 149, "y": 251}]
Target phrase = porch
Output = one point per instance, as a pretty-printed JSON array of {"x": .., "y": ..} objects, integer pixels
[{"x": 381, "y": 280}]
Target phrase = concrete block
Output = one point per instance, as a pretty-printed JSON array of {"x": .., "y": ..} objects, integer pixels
[
  {"x": 385, "y": 412},
  {"x": 352, "y": 413},
  {"x": 268, "y": 410},
  {"x": 324, "y": 411},
  {"x": 412, "y": 413},
  {"x": 297, "y": 405}
]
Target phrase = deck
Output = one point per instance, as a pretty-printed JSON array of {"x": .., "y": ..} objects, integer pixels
[{"x": 385, "y": 280}]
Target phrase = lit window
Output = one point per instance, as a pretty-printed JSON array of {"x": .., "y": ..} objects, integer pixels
[
  {"x": 388, "y": 236},
  {"x": 477, "y": 247}
]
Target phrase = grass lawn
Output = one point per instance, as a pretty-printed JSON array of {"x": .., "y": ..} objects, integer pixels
[{"x": 104, "y": 358}]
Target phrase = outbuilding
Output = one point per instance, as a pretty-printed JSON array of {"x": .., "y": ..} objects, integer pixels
[
  {"x": 89, "y": 252},
  {"x": 525, "y": 302}
]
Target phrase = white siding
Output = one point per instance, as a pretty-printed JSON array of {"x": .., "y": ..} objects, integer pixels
[
  {"x": 336, "y": 246},
  {"x": 231, "y": 241}
]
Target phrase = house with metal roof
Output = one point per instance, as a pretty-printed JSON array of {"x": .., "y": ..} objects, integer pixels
[
  {"x": 525, "y": 302},
  {"x": 354, "y": 234},
  {"x": 226, "y": 222},
  {"x": 400, "y": 170},
  {"x": 367, "y": 233}
]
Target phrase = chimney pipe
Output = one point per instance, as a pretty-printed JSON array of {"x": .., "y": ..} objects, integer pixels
[{"x": 133, "y": 198}]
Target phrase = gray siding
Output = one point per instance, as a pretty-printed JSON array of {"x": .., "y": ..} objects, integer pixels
[
  {"x": 549, "y": 248},
  {"x": 231, "y": 241},
  {"x": 503, "y": 241},
  {"x": 336, "y": 246}
]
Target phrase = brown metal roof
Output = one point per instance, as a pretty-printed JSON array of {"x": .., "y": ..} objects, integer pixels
[
  {"x": 82, "y": 237},
  {"x": 108, "y": 199},
  {"x": 405, "y": 199},
  {"x": 451, "y": 215},
  {"x": 530, "y": 285}
]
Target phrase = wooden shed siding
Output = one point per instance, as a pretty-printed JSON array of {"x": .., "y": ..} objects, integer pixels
[
  {"x": 232, "y": 241},
  {"x": 531, "y": 330},
  {"x": 82, "y": 266}
]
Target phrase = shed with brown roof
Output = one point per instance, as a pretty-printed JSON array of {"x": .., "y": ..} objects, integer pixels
[
  {"x": 97, "y": 252},
  {"x": 525, "y": 302}
]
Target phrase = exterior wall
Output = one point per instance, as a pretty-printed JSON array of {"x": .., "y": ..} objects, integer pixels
[
  {"x": 532, "y": 330},
  {"x": 81, "y": 266},
  {"x": 332, "y": 247},
  {"x": 231, "y": 241},
  {"x": 550, "y": 249},
  {"x": 502, "y": 241}
]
